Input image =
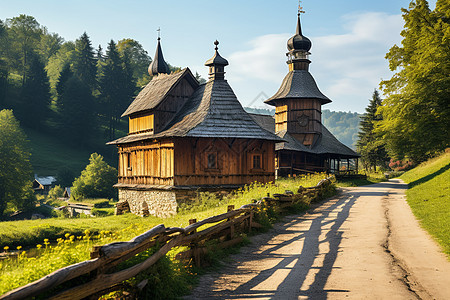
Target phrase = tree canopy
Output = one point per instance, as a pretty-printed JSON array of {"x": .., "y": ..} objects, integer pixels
[
  {"x": 15, "y": 167},
  {"x": 96, "y": 181},
  {"x": 416, "y": 110}
]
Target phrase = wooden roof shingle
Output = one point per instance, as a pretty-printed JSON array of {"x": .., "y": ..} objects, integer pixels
[
  {"x": 298, "y": 84},
  {"x": 326, "y": 144},
  {"x": 156, "y": 90},
  {"x": 212, "y": 111}
]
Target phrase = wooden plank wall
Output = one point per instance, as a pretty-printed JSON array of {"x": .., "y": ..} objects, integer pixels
[
  {"x": 174, "y": 101},
  {"x": 234, "y": 161},
  {"x": 281, "y": 118},
  {"x": 308, "y": 107},
  {"x": 139, "y": 124},
  {"x": 151, "y": 163}
]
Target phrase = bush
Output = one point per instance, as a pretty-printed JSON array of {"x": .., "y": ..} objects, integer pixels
[
  {"x": 96, "y": 181},
  {"x": 56, "y": 192}
]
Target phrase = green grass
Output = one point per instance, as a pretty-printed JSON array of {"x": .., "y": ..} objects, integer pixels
[
  {"x": 429, "y": 197},
  {"x": 68, "y": 241},
  {"x": 50, "y": 154},
  {"x": 371, "y": 179}
]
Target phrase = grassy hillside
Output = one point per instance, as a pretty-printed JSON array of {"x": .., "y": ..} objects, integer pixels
[
  {"x": 429, "y": 197},
  {"x": 49, "y": 154}
]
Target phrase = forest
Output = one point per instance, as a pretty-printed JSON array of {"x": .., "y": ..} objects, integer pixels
[{"x": 411, "y": 124}]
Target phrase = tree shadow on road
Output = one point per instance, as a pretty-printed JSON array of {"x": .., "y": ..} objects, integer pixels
[{"x": 325, "y": 232}]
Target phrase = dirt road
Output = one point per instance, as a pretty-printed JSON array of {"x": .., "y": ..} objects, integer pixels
[{"x": 364, "y": 244}]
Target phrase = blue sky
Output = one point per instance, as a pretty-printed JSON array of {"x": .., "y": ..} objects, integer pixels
[{"x": 350, "y": 38}]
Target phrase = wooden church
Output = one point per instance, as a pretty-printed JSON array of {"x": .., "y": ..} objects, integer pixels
[
  {"x": 308, "y": 145},
  {"x": 184, "y": 136}
]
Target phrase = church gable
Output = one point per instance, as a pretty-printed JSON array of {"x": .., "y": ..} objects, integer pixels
[{"x": 159, "y": 102}]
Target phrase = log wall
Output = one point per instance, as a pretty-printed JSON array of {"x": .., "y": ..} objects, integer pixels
[
  {"x": 234, "y": 164},
  {"x": 149, "y": 163}
]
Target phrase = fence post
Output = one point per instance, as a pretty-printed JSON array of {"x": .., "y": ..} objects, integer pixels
[
  {"x": 230, "y": 208},
  {"x": 195, "y": 250}
]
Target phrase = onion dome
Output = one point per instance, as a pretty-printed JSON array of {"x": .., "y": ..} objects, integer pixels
[
  {"x": 299, "y": 42},
  {"x": 158, "y": 64},
  {"x": 216, "y": 64}
]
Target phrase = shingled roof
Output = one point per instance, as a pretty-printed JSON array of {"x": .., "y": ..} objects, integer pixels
[
  {"x": 326, "y": 144},
  {"x": 156, "y": 90},
  {"x": 298, "y": 84},
  {"x": 265, "y": 121},
  {"x": 212, "y": 111}
]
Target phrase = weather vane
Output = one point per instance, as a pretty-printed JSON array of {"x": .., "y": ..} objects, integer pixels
[
  {"x": 300, "y": 8},
  {"x": 159, "y": 32}
]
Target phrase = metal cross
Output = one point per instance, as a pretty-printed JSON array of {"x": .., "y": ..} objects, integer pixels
[
  {"x": 159, "y": 32},
  {"x": 300, "y": 8}
]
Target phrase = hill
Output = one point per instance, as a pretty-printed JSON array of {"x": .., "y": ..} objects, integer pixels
[{"x": 428, "y": 196}]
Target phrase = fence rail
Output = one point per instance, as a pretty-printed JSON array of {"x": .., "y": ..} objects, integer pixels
[{"x": 105, "y": 258}]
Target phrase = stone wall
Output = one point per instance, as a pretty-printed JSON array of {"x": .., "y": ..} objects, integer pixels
[{"x": 157, "y": 203}]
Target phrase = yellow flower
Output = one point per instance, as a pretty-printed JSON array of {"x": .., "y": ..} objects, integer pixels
[
  {"x": 6, "y": 248},
  {"x": 19, "y": 247}
]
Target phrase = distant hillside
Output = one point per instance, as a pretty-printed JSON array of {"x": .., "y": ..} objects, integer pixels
[{"x": 344, "y": 125}]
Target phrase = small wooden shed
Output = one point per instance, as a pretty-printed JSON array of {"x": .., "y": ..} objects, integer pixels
[{"x": 184, "y": 136}]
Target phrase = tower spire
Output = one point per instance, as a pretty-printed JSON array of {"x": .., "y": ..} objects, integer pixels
[
  {"x": 216, "y": 65},
  {"x": 158, "y": 65},
  {"x": 298, "y": 46}
]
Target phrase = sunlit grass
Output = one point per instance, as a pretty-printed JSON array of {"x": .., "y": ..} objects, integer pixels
[
  {"x": 61, "y": 242},
  {"x": 429, "y": 197}
]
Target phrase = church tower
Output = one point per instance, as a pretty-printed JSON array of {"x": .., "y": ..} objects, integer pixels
[{"x": 298, "y": 102}]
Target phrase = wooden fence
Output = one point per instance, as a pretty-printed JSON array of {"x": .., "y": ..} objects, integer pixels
[{"x": 104, "y": 258}]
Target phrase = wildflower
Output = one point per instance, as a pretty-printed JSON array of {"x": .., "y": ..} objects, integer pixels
[
  {"x": 67, "y": 235},
  {"x": 19, "y": 247},
  {"x": 6, "y": 248},
  {"x": 39, "y": 246}
]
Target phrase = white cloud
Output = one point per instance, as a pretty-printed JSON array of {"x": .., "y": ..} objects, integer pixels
[{"x": 347, "y": 67}]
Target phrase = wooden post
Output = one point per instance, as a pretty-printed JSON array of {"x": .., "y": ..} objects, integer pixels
[
  {"x": 195, "y": 250},
  {"x": 250, "y": 220},
  {"x": 230, "y": 208},
  {"x": 292, "y": 163}
]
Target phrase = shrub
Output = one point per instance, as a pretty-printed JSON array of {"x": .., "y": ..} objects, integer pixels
[
  {"x": 56, "y": 192},
  {"x": 96, "y": 181}
]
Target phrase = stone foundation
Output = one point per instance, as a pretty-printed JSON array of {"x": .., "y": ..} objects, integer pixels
[
  {"x": 161, "y": 203},
  {"x": 157, "y": 203}
]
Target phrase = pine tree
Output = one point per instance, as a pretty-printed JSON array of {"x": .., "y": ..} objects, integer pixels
[
  {"x": 85, "y": 64},
  {"x": 116, "y": 87},
  {"x": 35, "y": 95},
  {"x": 416, "y": 110},
  {"x": 65, "y": 75},
  {"x": 76, "y": 112},
  {"x": 370, "y": 144}
]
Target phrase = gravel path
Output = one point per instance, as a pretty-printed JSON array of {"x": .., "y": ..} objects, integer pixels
[{"x": 363, "y": 244}]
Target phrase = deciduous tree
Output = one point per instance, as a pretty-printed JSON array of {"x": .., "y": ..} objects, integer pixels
[
  {"x": 23, "y": 35},
  {"x": 96, "y": 180},
  {"x": 15, "y": 166},
  {"x": 416, "y": 110}
]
